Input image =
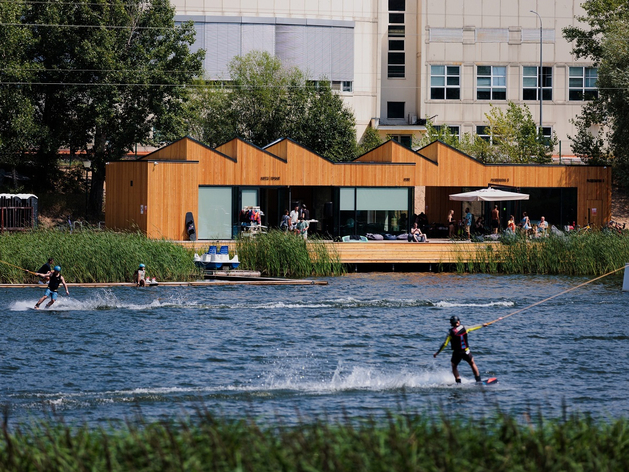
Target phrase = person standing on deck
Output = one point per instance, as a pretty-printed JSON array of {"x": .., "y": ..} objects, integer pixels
[
  {"x": 495, "y": 219},
  {"x": 467, "y": 222},
  {"x": 457, "y": 335},
  {"x": 55, "y": 279}
]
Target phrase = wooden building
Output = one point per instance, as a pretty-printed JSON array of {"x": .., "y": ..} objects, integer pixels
[{"x": 380, "y": 192}]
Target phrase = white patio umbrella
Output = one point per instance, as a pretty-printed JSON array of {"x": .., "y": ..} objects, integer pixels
[{"x": 488, "y": 195}]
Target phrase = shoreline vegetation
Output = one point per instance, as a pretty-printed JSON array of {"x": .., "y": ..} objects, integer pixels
[
  {"x": 581, "y": 253},
  {"x": 91, "y": 255},
  {"x": 399, "y": 442}
]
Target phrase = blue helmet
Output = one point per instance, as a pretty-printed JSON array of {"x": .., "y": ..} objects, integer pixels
[
  {"x": 141, "y": 266},
  {"x": 57, "y": 268}
]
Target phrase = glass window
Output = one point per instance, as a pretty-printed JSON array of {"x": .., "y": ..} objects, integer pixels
[
  {"x": 547, "y": 133},
  {"x": 491, "y": 82},
  {"x": 484, "y": 132},
  {"x": 215, "y": 213},
  {"x": 396, "y": 31},
  {"x": 347, "y": 86},
  {"x": 395, "y": 110},
  {"x": 382, "y": 198},
  {"x": 396, "y": 58},
  {"x": 530, "y": 83},
  {"x": 396, "y": 18},
  {"x": 396, "y": 72},
  {"x": 396, "y": 45},
  {"x": 347, "y": 199},
  {"x": 582, "y": 83},
  {"x": 403, "y": 139},
  {"x": 397, "y": 5},
  {"x": 445, "y": 83},
  {"x": 249, "y": 197},
  {"x": 454, "y": 130}
]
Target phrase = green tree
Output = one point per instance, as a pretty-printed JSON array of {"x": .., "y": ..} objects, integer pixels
[
  {"x": 604, "y": 42},
  {"x": 513, "y": 138},
  {"x": 437, "y": 133},
  {"x": 17, "y": 125},
  {"x": 263, "y": 101},
  {"x": 371, "y": 139},
  {"x": 114, "y": 73}
]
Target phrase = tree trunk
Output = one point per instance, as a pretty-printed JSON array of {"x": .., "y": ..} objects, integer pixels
[{"x": 95, "y": 202}]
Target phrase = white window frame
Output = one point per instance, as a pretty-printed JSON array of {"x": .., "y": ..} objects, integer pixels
[
  {"x": 448, "y": 81},
  {"x": 533, "y": 83},
  {"x": 497, "y": 83},
  {"x": 586, "y": 86}
]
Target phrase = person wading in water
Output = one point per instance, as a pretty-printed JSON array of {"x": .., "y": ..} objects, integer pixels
[
  {"x": 460, "y": 347},
  {"x": 54, "y": 280}
]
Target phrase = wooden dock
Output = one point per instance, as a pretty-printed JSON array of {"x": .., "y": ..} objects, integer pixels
[
  {"x": 437, "y": 251},
  {"x": 196, "y": 283}
]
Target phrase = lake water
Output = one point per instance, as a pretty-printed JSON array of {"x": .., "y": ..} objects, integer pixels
[{"x": 360, "y": 346}]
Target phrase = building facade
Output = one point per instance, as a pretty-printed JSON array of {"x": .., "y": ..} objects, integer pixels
[
  {"x": 375, "y": 193},
  {"x": 398, "y": 62}
]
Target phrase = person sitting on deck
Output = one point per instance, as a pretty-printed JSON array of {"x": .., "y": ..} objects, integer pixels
[
  {"x": 416, "y": 235},
  {"x": 139, "y": 276}
]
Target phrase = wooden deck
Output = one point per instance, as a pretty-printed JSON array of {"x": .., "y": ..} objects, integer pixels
[
  {"x": 197, "y": 283},
  {"x": 436, "y": 251}
]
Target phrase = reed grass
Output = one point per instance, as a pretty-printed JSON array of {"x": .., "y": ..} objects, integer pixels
[
  {"x": 280, "y": 254},
  {"x": 409, "y": 442},
  {"x": 581, "y": 253},
  {"x": 91, "y": 255}
]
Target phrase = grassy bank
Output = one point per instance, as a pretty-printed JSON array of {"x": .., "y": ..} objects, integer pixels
[
  {"x": 93, "y": 256},
  {"x": 579, "y": 253},
  {"x": 279, "y": 254},
  {"x": 400, "y": 443}
]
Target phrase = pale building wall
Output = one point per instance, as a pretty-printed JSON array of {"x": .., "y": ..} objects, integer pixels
[
  {"x": 517, "y": 48},
  {"x": 488, "y": 32}
]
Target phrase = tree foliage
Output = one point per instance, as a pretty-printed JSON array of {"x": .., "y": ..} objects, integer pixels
[
  {"x": 513, "y": 138},
  {"x": 105, "y": 75},
  {"x": 603, "y": 126},
  {"x": 17, "y": 125},
  {"x": 371, "y": 139},
  {"x": 263, "y": 101}
]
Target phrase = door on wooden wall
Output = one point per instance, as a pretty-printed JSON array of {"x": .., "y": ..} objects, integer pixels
[{"x": 595, "y": 212}]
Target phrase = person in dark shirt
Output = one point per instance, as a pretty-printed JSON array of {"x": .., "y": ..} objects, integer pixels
[
  {"x": 54, "y": 280},
  {"x": 457, "y": 335},
  {"x": 47, "y": 267}
]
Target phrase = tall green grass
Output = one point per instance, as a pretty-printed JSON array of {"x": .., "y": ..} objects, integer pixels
[
  {"x": 580, "y": 253},
  {"x": 398, "y": 443},
  {"x": 93, "y": 256},
  {"x": 280, "y": 254}
]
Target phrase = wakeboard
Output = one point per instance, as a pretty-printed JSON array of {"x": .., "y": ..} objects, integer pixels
[{"x": 490, "y": 381}]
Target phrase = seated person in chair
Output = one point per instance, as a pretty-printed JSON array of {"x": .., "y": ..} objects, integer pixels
[{"x": 416, "y": 235}]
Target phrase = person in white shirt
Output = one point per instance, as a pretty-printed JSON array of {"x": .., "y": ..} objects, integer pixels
[{"x": 294, "y": 218}]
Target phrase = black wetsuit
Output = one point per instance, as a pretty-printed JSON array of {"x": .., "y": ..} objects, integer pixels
[{"x": 55, "y": 281}]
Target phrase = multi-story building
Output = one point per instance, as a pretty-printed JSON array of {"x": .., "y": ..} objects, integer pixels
[{"x": 398, "y": 62}]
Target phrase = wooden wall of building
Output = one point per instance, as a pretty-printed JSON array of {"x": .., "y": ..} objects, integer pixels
[
  {"x": 127, "y": 190},
  {"x": 173, "y": 191}
]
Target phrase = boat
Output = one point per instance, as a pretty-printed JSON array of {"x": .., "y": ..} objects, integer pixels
[{"x": 213, "y": 260}]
